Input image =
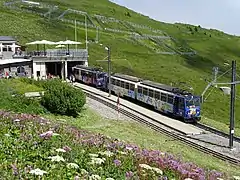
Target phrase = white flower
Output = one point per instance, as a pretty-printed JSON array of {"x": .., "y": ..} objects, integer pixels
[
  {"x": 8, "y": 135},
  {"x": 57, "y": 158},
  {"x": 60, "y": 150},
  {"x": 17, "y": 120},
  {"x": 157, "y": 170},
  {"x": 220, "y": 179},
  {"x": 83, "y": 171},
  {"x": 72, "y": 165},
  {"x": 97, "y": 160},
  {"x": 145, "y": 166},
  {"x": 236, "y": 177},
  {"x": 188, "y": 179},
  {"x": 37, "y": 172},
  {"x": 121, "y": 152},
  {"x": 109, "y": 179},
  {"x": 107, "y": 153},
  {"x": 93, "y": 155},
  {"x": 129, "y": 148},
  {"x": 94, "y": 177}
]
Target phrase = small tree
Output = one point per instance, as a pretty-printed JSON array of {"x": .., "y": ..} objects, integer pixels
[{"x": 61, "y": 98}]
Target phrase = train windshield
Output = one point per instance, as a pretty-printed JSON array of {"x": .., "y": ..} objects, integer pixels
[
  {"x": 193, "y": 102},
  {"x": 100, "y": 75}
]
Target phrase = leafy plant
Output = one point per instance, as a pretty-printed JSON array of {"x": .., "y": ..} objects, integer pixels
[{"x": 61, "y": 98}]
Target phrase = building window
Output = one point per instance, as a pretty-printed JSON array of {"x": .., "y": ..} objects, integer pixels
[
  {"x": 20, "y": 69},
  {"x": 38, "y": 73}
]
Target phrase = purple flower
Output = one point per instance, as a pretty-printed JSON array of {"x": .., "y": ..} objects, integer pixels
[
  {"x": 117, "y": 162},
  {"x": 129, "y": 174},
  {"x": 67, "y": 149}
]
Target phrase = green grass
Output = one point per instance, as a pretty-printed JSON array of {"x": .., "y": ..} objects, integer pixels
[
  {"x": 213, "y": 49},
  {"x": 136, "y": 133}
]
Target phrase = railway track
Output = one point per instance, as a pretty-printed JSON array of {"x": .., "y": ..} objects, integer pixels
[
  {"x": 215, "y": 131},
  {"x": 150, "y": 123}
]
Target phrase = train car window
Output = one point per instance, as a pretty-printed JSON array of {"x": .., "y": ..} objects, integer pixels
[
  {"x": 181, "y": 103},
  {"x": 170, "y": 99},
  {"x": 163, "y": 97},
  {"x": 118, "y": 83},
  {"x": 127, "y": 85},
  {"x": 145, "y": 91},
  {"x": 113, "y": 81},
  {"x": 140, "y": 89},
  {"x": 122, "y": 84},
  {"x": 132, "y": 87},
  {"x": 150, "y": 93},
  {"x": 157, "y": 95}
]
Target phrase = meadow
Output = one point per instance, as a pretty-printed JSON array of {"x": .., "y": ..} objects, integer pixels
[
  {"x": 38, "y": 144},
  {"x": 136, "y": 56}
]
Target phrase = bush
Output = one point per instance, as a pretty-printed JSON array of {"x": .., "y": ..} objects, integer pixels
[{"x": 61, "y": 98}]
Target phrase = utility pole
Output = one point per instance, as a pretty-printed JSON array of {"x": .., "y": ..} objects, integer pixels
[
  {"x": 76, "y": 32},
  {"x": 109, "y": 68},
  {"x": 86, "y": 31},
  {"x": 109, "y": 71},
  {"x": 232, "y": 105},
  {"x": 97, "y": 34}
]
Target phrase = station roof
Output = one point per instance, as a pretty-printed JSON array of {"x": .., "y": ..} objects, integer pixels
[
  {"x": 7, "y": 38},
  {"x": 11, "y": 61}
]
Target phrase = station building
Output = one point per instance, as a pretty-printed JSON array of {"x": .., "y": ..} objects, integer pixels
[{"x": 16, "y": 61}]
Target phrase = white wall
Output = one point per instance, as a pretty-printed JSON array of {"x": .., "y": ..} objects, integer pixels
[{"x": 39, "y": 66}]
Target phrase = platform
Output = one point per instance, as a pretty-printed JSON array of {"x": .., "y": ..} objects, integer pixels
[{"x": 182, "y": 127}]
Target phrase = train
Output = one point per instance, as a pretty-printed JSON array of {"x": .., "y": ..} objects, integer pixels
[{"x": 172, "y": 101}]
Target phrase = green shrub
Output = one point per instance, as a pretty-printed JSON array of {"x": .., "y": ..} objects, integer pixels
[{"x": 61, "y": 98}]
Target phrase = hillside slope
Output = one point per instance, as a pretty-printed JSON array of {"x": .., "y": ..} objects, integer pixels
[{"x": 167, "y": 53}]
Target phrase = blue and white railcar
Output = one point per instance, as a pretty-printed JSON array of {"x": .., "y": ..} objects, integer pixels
[
  {"x": 170, "y": 100},
  {"x": 124, "y": 85},
  {"x": 160, "y": 99},
  {"x": 90, "y": 75}
]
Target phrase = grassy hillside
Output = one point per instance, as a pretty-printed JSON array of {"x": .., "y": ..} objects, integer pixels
[{"x": 159, "y": 51}]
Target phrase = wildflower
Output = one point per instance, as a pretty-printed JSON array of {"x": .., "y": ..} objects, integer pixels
[
  {"x": 145, "y": 166},
  {"x": 117, "y": 162},
  {"x": 60, "y": 150},
  {"x": 109, "y": 179},
  {"x": 7, "y": 135},
  {"x": 129, "y": 174},
  {"x": 72, "y": 165},
  {"x": 236, "y": 177},
  {"x": 76, "y": 178},
  {"x": 129, "y": 148},
  {"x": 107, "y": 153},
  {"x": 121, "y": 152},
  {"x": 188, "y": 179},
  {"x": 46, "y": 134},
  {"x": 83, "y": 171},
  {"x": 67, "y": 149},
  {"x": 97, "y": 160},
  {"x": 37, "y": 172},
  {"x": 93, "y": 155},
  {"x": 94, "y": 177},
  {"x": 17, "y": 120},
  {"x": 157, "y": 170},
  {"x": 57, "y": 158},
  {"x": 15, "y": 169}
]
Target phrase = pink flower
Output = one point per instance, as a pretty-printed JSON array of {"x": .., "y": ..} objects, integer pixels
[
  {"x": 67, "y": 149},
  {"x": 47, "y": 134}
]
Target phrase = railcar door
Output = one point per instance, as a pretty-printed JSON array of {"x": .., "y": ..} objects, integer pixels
[{"x": 178, "y": 108}]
